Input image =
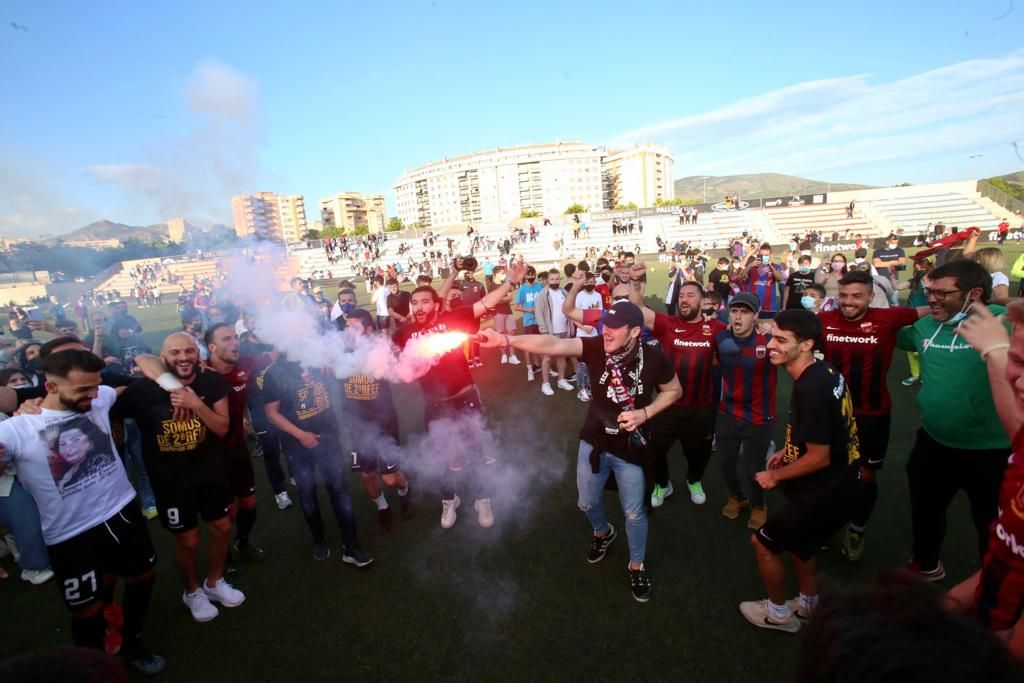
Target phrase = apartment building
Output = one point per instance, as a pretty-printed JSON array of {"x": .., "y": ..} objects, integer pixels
[
  {"x": 348, "y": 210},
  {"x": 279, "y": 218}
]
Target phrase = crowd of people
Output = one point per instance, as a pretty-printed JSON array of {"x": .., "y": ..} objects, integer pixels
[{"x": 91, "y": 406}]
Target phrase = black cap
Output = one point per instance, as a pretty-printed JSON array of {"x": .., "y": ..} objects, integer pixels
[{"x": 623, "y": 314}]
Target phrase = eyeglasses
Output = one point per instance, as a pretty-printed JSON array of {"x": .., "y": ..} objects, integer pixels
[{"x": 939, "y": 294}]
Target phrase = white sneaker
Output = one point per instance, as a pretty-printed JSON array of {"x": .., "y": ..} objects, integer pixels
[
  {"x": 553, "y": 373},
  {"x": 283, "y": 500},
  {"x": 546, "y": 389},
  {"x": 224, "y": 593},
  {"x": 659, "y": 495},
  {"x": 564, "y": 384},
  {"x": 504, "y": 359},
  {"x": 448, "y": 508},
  {"x": 529, "y": 373},
  {"x": 484, "y": 515},
  {"x": 36, "y": 577},
  {"x": 697, "y": 493},
  {"x": 513, "y": 360},
  {"x": 583, "y": 395},
  {"x": 200, "y": 606}
]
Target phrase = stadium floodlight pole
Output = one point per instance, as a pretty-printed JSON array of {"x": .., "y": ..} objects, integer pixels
[{"x": 705, "y": 179}]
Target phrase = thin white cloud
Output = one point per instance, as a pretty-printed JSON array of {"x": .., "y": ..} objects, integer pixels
[{"x": 810, "y": 126}]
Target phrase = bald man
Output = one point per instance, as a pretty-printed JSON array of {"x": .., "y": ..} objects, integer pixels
[{"x": 182, "y": 417}]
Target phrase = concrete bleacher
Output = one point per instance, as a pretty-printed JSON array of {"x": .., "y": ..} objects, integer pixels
[
  {"x": 913, "y": 213},
  {"x": 790, "y": 221}
]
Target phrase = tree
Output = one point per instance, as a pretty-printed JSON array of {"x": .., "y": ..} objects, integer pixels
[
  {"x": 332, "y": 232},
  {"x": 311, "y": 235},
  {"x": 361, "y": 230},
  {"x": 575, "y": 208},
  {"x": 678, "y": 201},
  {"x": 625, "y": 207},
  {"x": 533, "y": 214},
  {"x": 394, "y": 225}
]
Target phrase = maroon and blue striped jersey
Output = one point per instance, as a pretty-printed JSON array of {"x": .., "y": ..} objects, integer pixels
[{"x": 748, "y": 377}]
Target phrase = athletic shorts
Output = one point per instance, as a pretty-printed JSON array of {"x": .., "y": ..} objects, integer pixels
[
  {"x": 505, "y": 323},
  {"x": 467, "y": 401},
  {"x": 381, "y": 453},
  {"x": 238, "y": 470},
  {"x": 120, "y": 546},
  {"x": 803, "y": 528},
  {"x": 186, "y": 493},
  {"x": 873, "y": 435},
  {"x": 531, "y": 329}
]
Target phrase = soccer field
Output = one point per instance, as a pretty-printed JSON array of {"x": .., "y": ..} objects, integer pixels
[{"x": 515, "y": 602}]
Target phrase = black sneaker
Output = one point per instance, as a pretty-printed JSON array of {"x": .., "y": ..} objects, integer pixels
[
  {"x": 639, "y": 583},
  {"x": 599, "y": 545},
  {"x": 384, "y": 520},
  {"x": 321, "y": 551},
  {"x": 356, "y": 557},
  {"x": 248, "y": 551},
  {"x": 405, "y": 503},
  {"x": 231, "y": 566},
  {"x": 142, "y": 660}
]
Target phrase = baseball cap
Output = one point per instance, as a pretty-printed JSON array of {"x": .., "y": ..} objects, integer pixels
[
  {"x": 747, "y": 299},
  {"x": 623, "y": 314}
]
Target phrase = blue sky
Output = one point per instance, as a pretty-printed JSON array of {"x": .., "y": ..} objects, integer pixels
[{"x": 138, "y": 112}]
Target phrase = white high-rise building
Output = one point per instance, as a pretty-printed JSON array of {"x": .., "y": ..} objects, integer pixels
[{"x": 502, "y": 184}]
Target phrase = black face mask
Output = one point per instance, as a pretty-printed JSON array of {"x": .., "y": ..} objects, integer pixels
[
  {"x": 531, "y": 279},
  {"x": 709, "y": 311},
  {"x": 589, "y": 288},
  {"x": 34, "y": 365},
  {"x": 555, "y": 286}
]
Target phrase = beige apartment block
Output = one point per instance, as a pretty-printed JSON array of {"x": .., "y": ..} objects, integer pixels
[
  {"x": 279, "y": 218},
  {"x": 348, "y": 210}
]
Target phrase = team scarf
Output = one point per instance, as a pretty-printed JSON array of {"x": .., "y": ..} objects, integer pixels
[{"x": 616, "y": 364}]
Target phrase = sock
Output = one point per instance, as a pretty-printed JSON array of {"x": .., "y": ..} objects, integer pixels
[
  {"x": 381, "y": 502},
  {"x": 403, "y": 492},
  {"x": 808, "y": 602},
  {"x": 778, "y": 611},
  {"x": 857, "y": 529},
  {"x": 136, "y": 604},
  {"x": 244, "y": 521},
  {"x": 867, "y": 504},
  {"x": 89, "y": 632}
]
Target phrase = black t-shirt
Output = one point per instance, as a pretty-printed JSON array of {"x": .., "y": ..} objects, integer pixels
[
  {"x": 719, "y": 279},
  {"x": 796, "y": 284},
  {"x": 451, "y": 374},
  {"x": 888, "y": 256},
  {"x": 821, "y": 412},
  {"x": 601, "y": 426},
  {"x": 369, "y": 400},
  {"x": 472, "y": 291},
  {"x": 399, "y": 303},
  {"x": 167, "y": 442},
  {"x": 502, "y": 308},
  {"x": 305, "y": 396}
]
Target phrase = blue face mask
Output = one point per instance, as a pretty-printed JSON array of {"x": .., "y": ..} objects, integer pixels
[
  {"x": 805, "y": 269},
  {"x": 808, "y": 302},
  {"x": 347, "y": 308}
]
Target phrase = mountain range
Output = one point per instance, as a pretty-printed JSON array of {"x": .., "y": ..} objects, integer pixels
[
  {"x": 755, "y": 185},
  {"x": 106, "y": 230}
]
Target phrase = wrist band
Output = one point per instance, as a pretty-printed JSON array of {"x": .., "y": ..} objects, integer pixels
[
  {"x": 994, "y": 347},
  {"x": 169, "y": 382},
  {"x": 646, "y": 418}
]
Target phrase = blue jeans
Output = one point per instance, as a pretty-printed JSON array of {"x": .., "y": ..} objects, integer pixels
[
  {"x": 329, "y": 459},
  {"x": 133, "y": 460},
  {"x": 19, "y": 512},
  {"x": 582, "y": 376},
  {"x": 630, "y": 479}
]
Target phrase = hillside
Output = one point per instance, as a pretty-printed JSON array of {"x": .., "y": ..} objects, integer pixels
[
  {"x": 1014, "y": 183},
  {"x": 753, "y": 185},
  {"x": 105, "y": 230}
]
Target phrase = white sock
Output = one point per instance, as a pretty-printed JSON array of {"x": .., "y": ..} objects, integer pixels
[
  {"x": 808, "y": 602},
  {"x": 381, "y": 502},
  {"x": 778, "y": 611},
  {"x": 403, "y": 492}
]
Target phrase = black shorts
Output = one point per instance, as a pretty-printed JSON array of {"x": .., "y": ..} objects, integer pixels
[
  {"x": 803, "y": 528},
  {"x": 468, "y": 401},
  {"x": 378, "y": 449},
  {"x": 531, "y": 329},
  {"x": 186, "y": 493},
  {"x": 238, "y": 470},
  {"x": 120, "y": 546},
  {"x": 873, "y": 435}
]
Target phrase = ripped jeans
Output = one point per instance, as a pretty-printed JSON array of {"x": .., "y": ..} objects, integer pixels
[{"x": 630, "y": 480}]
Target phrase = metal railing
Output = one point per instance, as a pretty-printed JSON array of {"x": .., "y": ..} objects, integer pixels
[{"x": 1000, "y": 197}]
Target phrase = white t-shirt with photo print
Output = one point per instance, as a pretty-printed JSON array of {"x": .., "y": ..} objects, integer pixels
[{"x": 69, "y": 464}]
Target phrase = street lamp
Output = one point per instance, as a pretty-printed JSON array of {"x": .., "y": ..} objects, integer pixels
[
  {"x": 705, "y": 179},
  {"x": 974, "y": 164}
]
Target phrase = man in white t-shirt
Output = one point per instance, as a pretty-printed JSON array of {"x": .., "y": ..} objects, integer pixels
[
  {"x": 380, "y": 300},
  {"x": 551, "y": 320},
  {"x": 92, "y": 525},
  {"x": 586, "y": 300}
]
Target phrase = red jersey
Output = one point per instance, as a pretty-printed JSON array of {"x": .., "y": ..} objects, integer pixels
[
  {"x": 691, "y": 347},
  {"x": 606, "y": 295},
  {"x": 451, "y": 373},
  {"x": 862, "y": 351},
  {"x": 999, "y": 597},
  {"x": 239, "y": 378}
]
